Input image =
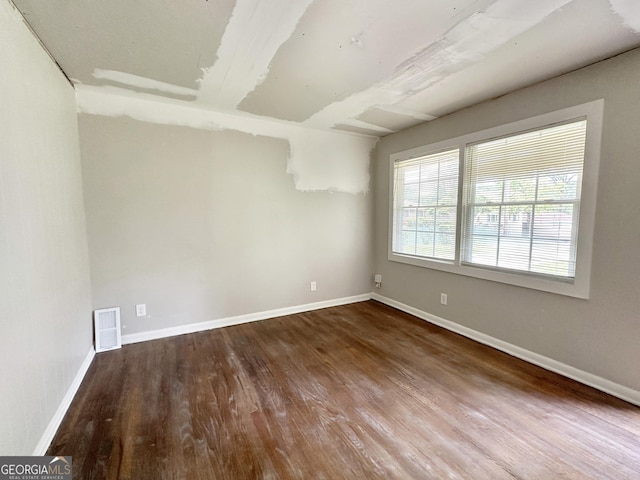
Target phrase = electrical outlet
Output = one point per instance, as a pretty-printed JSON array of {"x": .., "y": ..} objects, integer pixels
[
  {"x": 378, "y": 280},
  {"x": 141, "y": 310},
  {"x": 314, "y": 286},
  {"x": 443, "y": 298}
]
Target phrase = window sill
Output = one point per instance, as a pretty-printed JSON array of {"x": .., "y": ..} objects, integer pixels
[{"x": 575, "y": 288}]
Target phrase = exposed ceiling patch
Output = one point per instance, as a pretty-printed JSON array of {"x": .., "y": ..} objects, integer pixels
[
  {"x": 531, "y": 56},
  {"x": 155, "y": 39},
  {"x": 343, "y": 47},
  {"x": 407, "y": 112},
  {"x": 463, "y": 45},
  {"x": 355, "y": 129},
  {"x": 392, "y": 121},
  {"x": 629, "y": 11},
  {"x": 318, "y": 160},
  {"x": 362, "y": 66},
  {"x": 378, "y": 129},
  {"x": 253, "y": 35}
]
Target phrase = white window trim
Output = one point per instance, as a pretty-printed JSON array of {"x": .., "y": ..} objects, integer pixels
[{"x": 578, "y": 287}]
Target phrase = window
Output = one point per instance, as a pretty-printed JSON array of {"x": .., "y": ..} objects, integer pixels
[
  {"x": 523, "y": 199},
  {"x": 514, "y": 204},
  {"x": 425, "y": 207}
]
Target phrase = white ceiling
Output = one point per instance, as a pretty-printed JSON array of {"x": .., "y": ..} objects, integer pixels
[{"x": 365, "y": 66}]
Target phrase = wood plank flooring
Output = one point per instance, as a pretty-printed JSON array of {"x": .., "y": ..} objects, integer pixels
[{"x": 361, "y": 391}]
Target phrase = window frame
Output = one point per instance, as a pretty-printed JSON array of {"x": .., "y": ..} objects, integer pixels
[
  {"x": 577, "y": 287},
  {"x": 397, "y": 223}
]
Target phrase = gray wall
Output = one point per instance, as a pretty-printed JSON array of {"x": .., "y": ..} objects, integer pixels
[
  {"x": 600, "y": 335},
  {"x": 202, "y": 225},
  {"x": 45, "y": 300}
]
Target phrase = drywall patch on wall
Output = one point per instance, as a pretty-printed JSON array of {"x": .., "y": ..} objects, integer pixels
[
  {"x": 248, "y": 45},
  {"x": 466, "y": 43},
  {"x": 325, "y": 161},
  {"x": 318, "y": 160},
  {"x": 629, "y": 11}
]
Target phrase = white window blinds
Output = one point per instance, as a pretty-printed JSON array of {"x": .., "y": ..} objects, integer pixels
[
  {"x": 522, "y": 200},
  {"x": 425, "y": 205}
]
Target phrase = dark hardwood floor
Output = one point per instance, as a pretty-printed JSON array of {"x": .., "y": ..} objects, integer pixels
[{"x": 351, "y": 392}]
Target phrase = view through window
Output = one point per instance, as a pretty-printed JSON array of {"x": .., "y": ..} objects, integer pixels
[
  {"x": 514, "y": 204},
  {"x": 523, "y": 200},
  {"x": 426, "y": 191}
]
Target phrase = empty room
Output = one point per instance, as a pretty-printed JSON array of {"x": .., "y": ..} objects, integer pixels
[{"x": 320, "y": 239}]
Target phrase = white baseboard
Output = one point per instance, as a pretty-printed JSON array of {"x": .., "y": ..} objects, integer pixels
[
  {"x": 54, "y": 424},
  {"x": 239, "y": 319},
  {"x": 625, "y": 393}
]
